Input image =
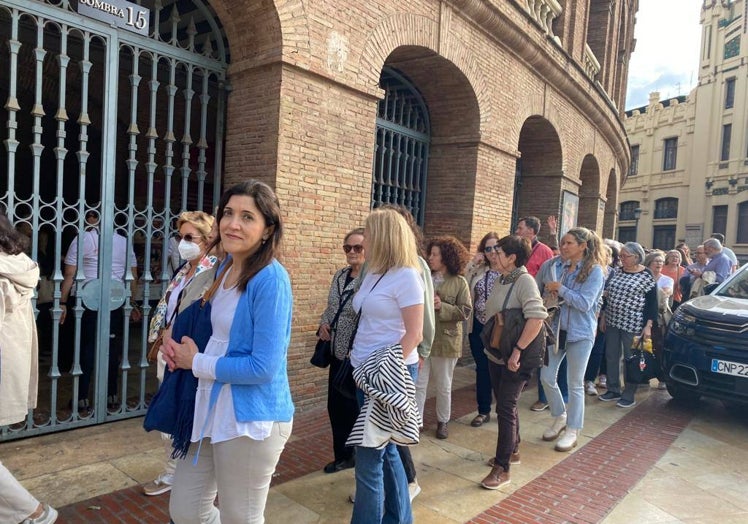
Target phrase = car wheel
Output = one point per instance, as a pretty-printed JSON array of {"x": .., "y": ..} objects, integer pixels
[{"x": 681, "y": 393}]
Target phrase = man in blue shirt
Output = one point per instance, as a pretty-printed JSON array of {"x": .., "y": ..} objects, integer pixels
[{"x": 719, "y": 262}]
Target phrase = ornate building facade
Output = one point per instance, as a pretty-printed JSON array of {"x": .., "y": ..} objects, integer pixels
[
  {"x": 689, "y": 170},
  {"x": 470, "y": 113}
]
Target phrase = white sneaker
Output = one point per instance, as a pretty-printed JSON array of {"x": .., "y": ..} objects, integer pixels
[
  {"x": 568, "y": 441},
  {"x": 162, "y": 484},
  {"x": 590, "y": 389},
  {"x": 48, "y": 516},
  {"x": 414, "y": 489},
  {"x": 559, "y": 424}
]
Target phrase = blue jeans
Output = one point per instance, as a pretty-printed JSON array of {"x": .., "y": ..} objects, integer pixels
[
  {"x": 381, "y": 483},
  {"x": 482, "y": 377},
  {"x": 577, "y": 354},
  {"x": 562, "y": 384}
]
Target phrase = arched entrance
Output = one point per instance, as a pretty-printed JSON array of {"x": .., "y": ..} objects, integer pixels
[
  {"x": 539, "y": 171},
  {"x": 589, "y": 194},
  {"x": 126, "y": 122},
  {"x": 402, "y": 151}
]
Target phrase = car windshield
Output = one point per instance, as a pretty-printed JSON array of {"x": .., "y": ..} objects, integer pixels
[{"x": 737, "y": 286}]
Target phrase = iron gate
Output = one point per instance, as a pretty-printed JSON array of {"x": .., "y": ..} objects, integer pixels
[
  {"x": 129, "y": 127},
  {"x": 402, "y": 150}
]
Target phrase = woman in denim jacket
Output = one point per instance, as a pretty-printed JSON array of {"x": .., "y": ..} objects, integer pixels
[{"x": 579, "y": 290}]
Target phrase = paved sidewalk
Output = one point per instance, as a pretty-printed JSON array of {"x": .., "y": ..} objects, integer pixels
[{"x": 657, "y": 462}]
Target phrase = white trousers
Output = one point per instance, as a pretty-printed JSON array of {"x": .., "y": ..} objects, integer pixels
[
  {"x": 440, "y": 370},
  {"x": 238, "y": 470},
  {"x": 16, "y": 503}
]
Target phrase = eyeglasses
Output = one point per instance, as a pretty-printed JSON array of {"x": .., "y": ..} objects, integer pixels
[
  {"x": 489, "y": 249},
  {"x": 358, "y": 248},
  {"x": 189, "y": 237}
]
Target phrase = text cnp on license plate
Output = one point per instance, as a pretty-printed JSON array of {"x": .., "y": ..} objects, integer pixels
[{"x": 729, "y": 368}]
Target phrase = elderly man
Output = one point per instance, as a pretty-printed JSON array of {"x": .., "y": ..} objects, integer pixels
[{"x": 719, "y": 262}]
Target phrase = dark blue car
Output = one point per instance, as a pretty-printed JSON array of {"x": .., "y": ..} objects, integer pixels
[{"x": 706, "y": 346}]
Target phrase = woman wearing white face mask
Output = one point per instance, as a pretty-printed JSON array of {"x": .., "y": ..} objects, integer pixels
[{"x": 188, "y": 284}]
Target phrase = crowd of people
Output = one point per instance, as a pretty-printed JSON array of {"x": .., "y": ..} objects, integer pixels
[{"x": 396, "y": 318}]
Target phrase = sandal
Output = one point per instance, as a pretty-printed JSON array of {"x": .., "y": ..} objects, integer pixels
[{"x": 480, "y": 419}]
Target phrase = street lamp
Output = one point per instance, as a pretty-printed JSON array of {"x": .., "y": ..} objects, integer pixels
[{"x": 637, "y": 215}]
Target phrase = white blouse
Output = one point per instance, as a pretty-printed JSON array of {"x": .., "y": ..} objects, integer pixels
[{"x": 219, "y": 424}]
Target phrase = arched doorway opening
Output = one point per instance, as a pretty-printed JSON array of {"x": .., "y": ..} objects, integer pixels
[
  {"x": 589, "y": 194},
  {"x": 539, "y": 174}
]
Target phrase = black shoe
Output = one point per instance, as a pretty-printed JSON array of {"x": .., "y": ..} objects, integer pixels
[{"x": 339, "y": 465}]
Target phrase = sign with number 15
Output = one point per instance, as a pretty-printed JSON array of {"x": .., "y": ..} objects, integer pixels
[{"x": 120, "y": 13}]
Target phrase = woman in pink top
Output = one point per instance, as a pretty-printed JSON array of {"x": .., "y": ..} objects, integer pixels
[{"x": 674, "y": 270}]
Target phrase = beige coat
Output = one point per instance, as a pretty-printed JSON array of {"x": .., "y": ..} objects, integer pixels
[
  {"x": 455, "y": 309},
  {"x": 19, "y": 351}
]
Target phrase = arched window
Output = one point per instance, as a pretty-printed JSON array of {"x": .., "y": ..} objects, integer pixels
[
  {"x": 666, "y": 208},
  {"x": 402, "y": 150}
]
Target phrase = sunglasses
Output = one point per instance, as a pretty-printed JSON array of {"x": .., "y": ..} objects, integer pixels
[
  {"x": 489, "y": 249},
  {"x": 358, "y": 248},
  {"x": 189, "y": 237}
]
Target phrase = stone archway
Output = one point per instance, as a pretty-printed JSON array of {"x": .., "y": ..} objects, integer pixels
[
  {"x": 611, "y": 206},
  {"x": 539, "y": 170}
]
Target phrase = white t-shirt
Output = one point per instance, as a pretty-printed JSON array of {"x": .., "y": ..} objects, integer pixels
[
  {"x": 665, "y": 282},
  {"x": 91, "y": 255},
  {"x": 381, "y": 322}
]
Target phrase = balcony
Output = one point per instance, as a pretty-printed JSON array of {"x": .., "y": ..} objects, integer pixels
[
  {"x": 590, "y": 63},
  {"x": 544, "y": 12}
]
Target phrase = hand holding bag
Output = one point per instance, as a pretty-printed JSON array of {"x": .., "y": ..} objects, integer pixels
[
  {"x": 172, "y": 409},
  {"x": 642, "y": 365},
  {"x": 323, "y": 350}
]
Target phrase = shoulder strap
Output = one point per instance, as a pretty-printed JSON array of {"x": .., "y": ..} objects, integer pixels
[
  {"x": 358, "y": 317},
  {"x": 217, "y": 282},
  {"x": 508, "y": 294}
]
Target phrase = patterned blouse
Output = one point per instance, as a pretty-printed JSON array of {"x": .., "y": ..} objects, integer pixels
[
  {"x": 483, "y": 289},
  {"x": 631, "y": 300},
  {"x": 342, "y": 289},
  {"x": 158, "y": 321}
]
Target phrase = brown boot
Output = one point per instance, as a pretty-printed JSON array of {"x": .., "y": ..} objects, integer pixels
[
  {"x": 497, "y": 478},
  {"x": 441, "y": 430}
]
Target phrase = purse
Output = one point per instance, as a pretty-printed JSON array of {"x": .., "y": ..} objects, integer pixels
[
  {"x": 156, "y": 346},
  {"x": 172, "y": 408},
  {"x": 323, "y": 350},
  {"x": 322, "y": 354},
  {"x": 491, "y": 334},
  {"x": 642, "y": 365}
]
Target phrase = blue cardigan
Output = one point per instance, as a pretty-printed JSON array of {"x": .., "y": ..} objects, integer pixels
[{"x": 255, "y": 360}]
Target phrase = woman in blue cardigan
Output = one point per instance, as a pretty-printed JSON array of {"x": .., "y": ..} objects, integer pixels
[{"x": 243, "y": 407}]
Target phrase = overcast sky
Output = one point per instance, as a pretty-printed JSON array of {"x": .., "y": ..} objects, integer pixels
[{"x": 666, "y": 57}]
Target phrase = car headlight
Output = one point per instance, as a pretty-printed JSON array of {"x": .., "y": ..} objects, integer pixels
[{"x": 682, "y": 323}]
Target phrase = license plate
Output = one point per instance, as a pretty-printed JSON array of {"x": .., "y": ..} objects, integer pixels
[{"x": 729, "y": 368}]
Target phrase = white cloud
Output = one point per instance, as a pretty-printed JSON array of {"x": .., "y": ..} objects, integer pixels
[{"x": 666, "y": 57}]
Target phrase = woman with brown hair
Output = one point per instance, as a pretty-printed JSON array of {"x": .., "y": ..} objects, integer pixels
[
  {"x": 513, "y": 364},
  {"x": 452, "y": 305},
  {"x": 481, "y": 272}
]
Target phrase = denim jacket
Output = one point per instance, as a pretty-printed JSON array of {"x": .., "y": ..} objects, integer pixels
[
  {"x": 581, "y": 305},
  {"x": 580, "y": 302}
]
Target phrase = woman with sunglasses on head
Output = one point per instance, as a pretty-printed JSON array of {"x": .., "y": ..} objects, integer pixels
[
  {"x": 188, "y": 284},
  {"x": 579, "y": 289},
  {"x": 481, "y": 274},
  {"x": 337, "y": 325},
  {"x": 243, "y": 407}
]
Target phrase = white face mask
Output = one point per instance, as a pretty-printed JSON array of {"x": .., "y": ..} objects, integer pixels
[{"x": 188, "y": 250}]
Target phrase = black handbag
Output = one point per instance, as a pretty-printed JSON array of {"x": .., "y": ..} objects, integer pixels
[
  {"x": 641, "y": 366},
  {"x": 323, "y": 350},
  {"x": 322, "y": 354}
]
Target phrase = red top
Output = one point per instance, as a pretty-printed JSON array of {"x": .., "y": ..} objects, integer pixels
[{"x": 540, "y": 253}]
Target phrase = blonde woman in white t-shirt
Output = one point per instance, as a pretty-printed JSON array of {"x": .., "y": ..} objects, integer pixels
[{"x": 390, "y": 301}]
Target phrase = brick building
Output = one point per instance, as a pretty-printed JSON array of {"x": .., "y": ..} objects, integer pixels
[{"x": 470, "y": 112}]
